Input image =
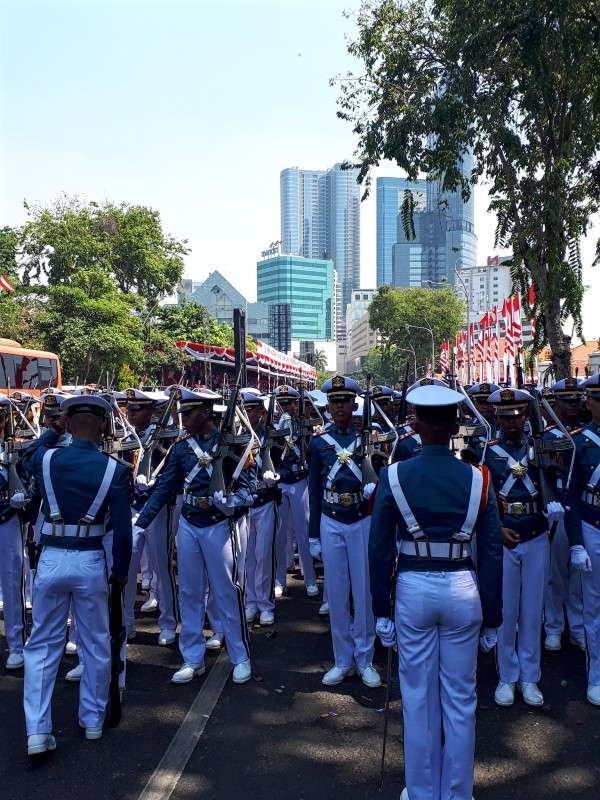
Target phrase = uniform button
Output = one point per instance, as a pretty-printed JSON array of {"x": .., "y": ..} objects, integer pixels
[
  {"x": 333, "y": 513},
  {"x": 359, "y": 514}
]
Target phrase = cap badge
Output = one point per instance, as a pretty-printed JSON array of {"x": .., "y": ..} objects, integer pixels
[
  {"x": 130, "y": 394},
  {"x": 284, "y": 389},
  {"x": 426, "y": 382},
  {"x": 177, "y": 393},
  {"x": 484, "y": 388},
  {"x": 17, "y": 397},
  {"x": 571, "y": 383},
  {"x": 338, "y": 382},
  {"x": 507, "y": 396},
  {"x": 51, "y": 401},
  {"x": 85, "y": 390}
]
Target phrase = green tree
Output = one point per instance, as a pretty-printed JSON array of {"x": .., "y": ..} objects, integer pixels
[
  {"x": 319, "y": 360},
  {"x": 91, "y": 325},
  {"x": 386, "y": 365},
  {"x": 412, "y": 322},
  {"x": 127, "y": 243},
  {"x": 519, "y": 85}
]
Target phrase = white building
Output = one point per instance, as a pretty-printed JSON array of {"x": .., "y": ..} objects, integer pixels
[{"x": 363, "y": 338}]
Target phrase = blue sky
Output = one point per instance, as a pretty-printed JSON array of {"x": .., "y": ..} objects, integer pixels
[{"x": 192, "y": 107}]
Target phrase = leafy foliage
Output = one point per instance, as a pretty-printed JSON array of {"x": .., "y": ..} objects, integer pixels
[
  {"x": 124, "y": 242},
  {"x": 518, "y": 84},
  {"x": 407, "y": 320}
]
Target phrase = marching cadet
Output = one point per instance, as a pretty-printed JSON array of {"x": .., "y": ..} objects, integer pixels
[
  {"x": 479, "y": 394},
  {"x": 157, "y": 539},
  {"x": 563, "y": 590},
  {"x": 11, "y": 555},
  {"x": 424, "y": 516},
  {"x": 260, "y": 556},
  {"x": 583, "y": 528},
  {"x": 206, "y": 538},
  {"x": 80, "y": 485},
  {"x": 526, "y": 552},
  {"x": 293, "y": 483},
  {"x": 384, "y": 397},
  {"x": 408, "y": 444},
  {"x": 339, "y": 532}
]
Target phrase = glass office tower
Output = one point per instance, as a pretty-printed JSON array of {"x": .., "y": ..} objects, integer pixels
[
  {"x": 306, "y": 284},
  {"x": 320, "y": 219},
  {"x": 444, "y": 236},
  {"x": 390, "y": 196}
]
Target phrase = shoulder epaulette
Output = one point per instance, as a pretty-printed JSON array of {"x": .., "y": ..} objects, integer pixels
[
  {"x": 319, "y": 432},
  {"x": 576, "y": 431},
  {"x": 183, "y": 438},
  {"x": 549, "y": 428},
  {"x": 494, "y": 441},
  {"x": 406, "y": 436}
]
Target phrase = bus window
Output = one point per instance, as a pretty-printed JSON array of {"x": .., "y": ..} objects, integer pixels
[{"x": 27, "y": 372}]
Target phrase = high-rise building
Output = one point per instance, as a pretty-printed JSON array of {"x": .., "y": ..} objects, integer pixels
[
  {"x": 320, "y": 218},
  {"x": 444, "y": 240},
  {"x": 390, "y": 196},
  {"x": 306, "y": 284}
]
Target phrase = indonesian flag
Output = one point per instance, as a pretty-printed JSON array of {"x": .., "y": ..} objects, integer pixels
[
  {"x": 531, "y": 299},
  {"x": 507, "y": 315},
  {"x": 444, "y": 358},
  {"x": 472, "y": 346},
  {"x": 493, "y": 261},
  {"x": 6, "y": 284},
  {"x": 496, "y": 358},
  {"x": 517, "y": 329}
]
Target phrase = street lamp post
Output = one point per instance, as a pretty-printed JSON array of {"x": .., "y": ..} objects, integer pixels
[
  {"x": 423, "y": 328},
  {"x": 468, "y": 301},
  {"x": 414, "y": 355}
]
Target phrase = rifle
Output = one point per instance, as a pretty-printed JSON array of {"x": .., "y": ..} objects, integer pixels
[
  {"x": 272, "y": 433},
  {"x": 117, "y": 637},
  {"x": 153, "y": 442},
  {"x": 11, "y": 458},
  {"x": 367, "y": 439},
  {"x": 113, "y": 446},
  {"x": 402, "y": 412},
  {"x": 229, "y": 441},
  {"x": 546, "y": 454}
]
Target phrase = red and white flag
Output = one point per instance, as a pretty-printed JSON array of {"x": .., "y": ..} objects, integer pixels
[
  {"x": 6, "y": 284},
  {"x": 517, "y": 328},
  {"x": 496, "y": 359},
  {"x": 493, "y": 261},
  {"x": 444, "y": 358},
  {"x": 531, "y": 299}
]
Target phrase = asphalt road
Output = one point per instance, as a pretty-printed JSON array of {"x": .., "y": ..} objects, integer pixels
[{"x": 283, "y": 735}]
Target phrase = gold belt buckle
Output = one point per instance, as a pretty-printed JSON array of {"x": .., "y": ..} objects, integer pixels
[
  {"x": 517, "y": 509},
  {"x": 345, "y": 499},
  {"x": 202, "y": 502}
]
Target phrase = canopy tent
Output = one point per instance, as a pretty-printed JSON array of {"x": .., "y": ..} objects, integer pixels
[{"x": 267, "y": 367}]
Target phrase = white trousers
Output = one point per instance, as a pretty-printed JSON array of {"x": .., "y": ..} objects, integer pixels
[
  {"x": 525, "y": 574},
  {"x": 159, "y": 541},
  {"x": 563, "y": 590},
  {"x": 438, "y": 618},
  {"x": 63, "y": 576},
  {"x": 294, "y": 510},
  {"x": 590, "y": 582},
  {"x": 260, "y": 558},
  {"x": 346, "y": 565},
  {"x": 12, "y": 582},
  {"x": 211, "y": 552}
]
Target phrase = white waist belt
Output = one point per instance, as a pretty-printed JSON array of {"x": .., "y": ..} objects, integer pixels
[
  {"x": 423, "y": 548},
  {"x": 82, "y": 530},
  {"x": 591, "y": 498}
]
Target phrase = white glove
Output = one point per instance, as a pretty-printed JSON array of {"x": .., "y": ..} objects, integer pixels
[
  {"x": 384, "y": 627},
  {"x": 142, "y": 484},
  {"x": 270, "y": 478},
  {"x": 554, "y": 512},
  {"x": 220, "y": 502},
  {"x": 136, "y": 530},
  {"x": 368, "y": 490},
  {"x": 18, "y": 500},
  {"x": 250, "y": 500},
  {"x": 580, "y": 558},
  {"x": 314, "y": 546},
  {"x": 488, "y": 639}
]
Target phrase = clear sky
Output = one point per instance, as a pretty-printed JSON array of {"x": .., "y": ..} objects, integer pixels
[{"x": 192, "y": 107}]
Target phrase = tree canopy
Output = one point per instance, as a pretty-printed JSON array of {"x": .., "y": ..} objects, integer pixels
[
  {"x": 411, "y": 322},
  {"x": 518, "y": 84},
  {"x": 125, "y": 242}
]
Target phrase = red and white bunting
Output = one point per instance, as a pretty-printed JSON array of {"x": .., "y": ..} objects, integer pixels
[{"x": 5, "y": 284}]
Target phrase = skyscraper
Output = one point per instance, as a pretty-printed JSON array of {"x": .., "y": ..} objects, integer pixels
[
  {"x": 307, "y": 286},
  {"x": 444, "y": 234},
  {"x": 320, "y": 218},
  {"x": 390, "y": 195}
]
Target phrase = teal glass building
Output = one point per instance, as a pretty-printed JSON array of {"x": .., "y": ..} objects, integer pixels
[{"x": 307, "y": 284}]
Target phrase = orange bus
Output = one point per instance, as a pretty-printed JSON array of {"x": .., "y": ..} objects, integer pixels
[{"x": 26, "y": 369}]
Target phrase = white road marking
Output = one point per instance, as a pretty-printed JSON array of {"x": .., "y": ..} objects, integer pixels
[{"x": 165, "y": 777}]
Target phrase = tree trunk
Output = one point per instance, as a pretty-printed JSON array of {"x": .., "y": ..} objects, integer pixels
[{"x": 559, "y": 342}]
